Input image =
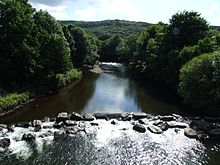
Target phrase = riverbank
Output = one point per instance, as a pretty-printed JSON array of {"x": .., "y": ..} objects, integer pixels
[
  {"x": 100, "y": 131},
  {"x": 10, "y": 102}
]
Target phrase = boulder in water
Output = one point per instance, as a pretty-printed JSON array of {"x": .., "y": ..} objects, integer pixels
[
  {"x": 126, "y": 116},
  {"x": 62, "y": 117},
  {"x": 30, "y": 137},
  {"x": 69, "y": 123},
  {"x": 76, "y": 116},
  {"x": 88, "y": 117},
  {"x": 154, "y": 129},
  {"x": 191, "y": 133},
  {"x": 5, "y": 142},
  {"x": 139, "y": 115},
  {"x": 166, "y": 118},
  {"x": 139, "y": 128},
  {"x": 36, "y": 123},
  {"x": 174, "y": 124},
  {"x": 59, "y": 135}
]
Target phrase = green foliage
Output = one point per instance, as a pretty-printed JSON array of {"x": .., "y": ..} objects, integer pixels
[
  {"x": 200, "y": 81},
  {"x": 83, "y": 45},
  {"x": 109, "y": 49},
  {"x": 33, "y": 47},
  {"x": 68, "y": 77},
  {"x": 11, "y": 100},
  {"x": 108, "y": 28}
]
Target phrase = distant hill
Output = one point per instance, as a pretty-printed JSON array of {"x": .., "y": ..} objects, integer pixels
[{"x": 107, "y": 28}]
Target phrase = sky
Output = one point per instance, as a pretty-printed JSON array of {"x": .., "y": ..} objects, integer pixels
[{"x": 151, "y": 11}]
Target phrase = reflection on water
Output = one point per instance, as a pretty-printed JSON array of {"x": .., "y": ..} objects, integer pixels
[{"x": 105, "y": 92}]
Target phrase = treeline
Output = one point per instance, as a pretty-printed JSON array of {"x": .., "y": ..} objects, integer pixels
[
  {"x": 108, "y": 28},
  {"x": 36, "y": 52},
  {"x": 184, "y": 54},
  {"x": 38, "y": 55}
]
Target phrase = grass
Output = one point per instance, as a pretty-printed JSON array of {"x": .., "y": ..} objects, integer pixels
[{"x": 11, "y": 100}]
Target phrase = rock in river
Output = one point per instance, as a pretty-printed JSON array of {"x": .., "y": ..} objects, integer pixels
[
  {"x": 62, "y": 117},
  {"x": 5, "y": 142},
  {"x": 139, "y": 128},
  {"x": 69, "y": 123},
  {"x": 76, "y": 116},
  {"x": 191, "y": 133},
  {"x": 139, "y": 115},
  {"x": 166, "y": 118},
  {"x": 88, "y": 117},
  {"x": 154, "y": 129},
  {"x": 36, "y": 123},
  {"x": 59, "y": 135},
  {"x": 126, "y": 116},
  {"x": 174, "y": 124},
  {"x": 30, "y": 137}
]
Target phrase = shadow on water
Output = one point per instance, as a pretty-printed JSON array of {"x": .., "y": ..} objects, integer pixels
[{"x": 109, "y": 91}]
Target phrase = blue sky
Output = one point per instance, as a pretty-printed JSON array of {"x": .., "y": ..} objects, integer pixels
[{"x": 151, "y": 11}]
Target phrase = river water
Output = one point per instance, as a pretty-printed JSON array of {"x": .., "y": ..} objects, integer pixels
[{"x": 107, "y": 144}]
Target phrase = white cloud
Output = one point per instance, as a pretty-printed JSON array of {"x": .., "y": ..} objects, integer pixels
[
  {"x": 87, "y": 14},
  {"x": 111, "y": 9},
  {"x": 48, "y": 8}
]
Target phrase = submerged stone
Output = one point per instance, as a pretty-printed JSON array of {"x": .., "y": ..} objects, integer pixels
[
  {"x": 191, "y": 133},
  {"x": 5, "y": 142},
  {"x": 58, "y": 125},
  {"x": 215, "y": 131},
  {"x": 30, "y": 137},
  {"x": 126, "y": 116},
  {"x": 163, "y": 126},
  {"x": 88, "y": 117},
  {"x": 154, "y": 129},
  {"x": 139, "y": 128},
  {"x": 166, "y": 118},
  {"x": 62, "y": 117},
  {"x": 71, "y": 130},
  {"x": 59, "y": 135},
  {"x": 76, "y": 116},
  {"x": 36, "y": 123},
  {"x": 139, "y": 115},
  {"x": 174, "y": 124},
  {"x": 69, "y": 123}
]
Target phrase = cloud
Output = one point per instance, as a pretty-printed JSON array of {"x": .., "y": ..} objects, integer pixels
[
  {"x": 49, "y": 8},
  {"x": 111, "y": 9},
  {"x": 48, "y": 2}
]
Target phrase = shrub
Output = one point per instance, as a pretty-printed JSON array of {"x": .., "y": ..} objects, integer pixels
[
  {"x": 200, "y": 81},
  {"x": 68, "y": 77},
  {"x": 11, "y": 100}
]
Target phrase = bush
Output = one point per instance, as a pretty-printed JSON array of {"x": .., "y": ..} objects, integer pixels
[
  {"x": 11, "y": 100},
  {"x": 68, "y": 77},
  {"x": 200, "y": 81}
]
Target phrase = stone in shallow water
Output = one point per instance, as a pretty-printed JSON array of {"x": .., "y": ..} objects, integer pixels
[
  {"x": 5, "y": 142},
  {"x": 88, "y": 117},
  {"x": 3, "y": 126},
  {"x": 191, "y": 133},
  {"x": 157, "y": 122},
  {"x": 58, "y": 125},
  {"x": 36, "y": 123},
  {"x": 215, "y": 131},
  {"x": 69, "y": 123},
  {"x": 71, "y": 130},
  {"x": 126, "y": 116},
  {"x": 166, "y": 118},
  {"x": 62, "y": 117},
  {"x": 94, "y": 124},
  {"x": 141, "y": 121},
  {"x": 76, "y": 116},
  {"x": 30, "y": 137},
  {"x": 139, "y": 128},
  {"x": 139, "y": 115},
  {"x": 59, "y": 135},
  {"x": 114, "y": 121},
  {"x": 154, "y": 129},
  {"x": 174, "y": 124},
  {"x": 101, "y": 116},
  {"x": 163, "y": 126}
]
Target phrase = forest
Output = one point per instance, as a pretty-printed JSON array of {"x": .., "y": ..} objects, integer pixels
[{"x": 40, "y": 54}]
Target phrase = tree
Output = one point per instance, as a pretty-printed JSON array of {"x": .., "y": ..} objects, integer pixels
[
  {"x": 109, "y": 49},
  {"x": 200, "y": 81},
  {"x": 186, "y": 28}
]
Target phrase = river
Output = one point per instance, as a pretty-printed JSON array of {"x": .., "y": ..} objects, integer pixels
[{"x": 109, "y": 91}]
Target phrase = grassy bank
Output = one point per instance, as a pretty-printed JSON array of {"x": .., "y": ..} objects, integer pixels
[{"x": 11, "y": 100}]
